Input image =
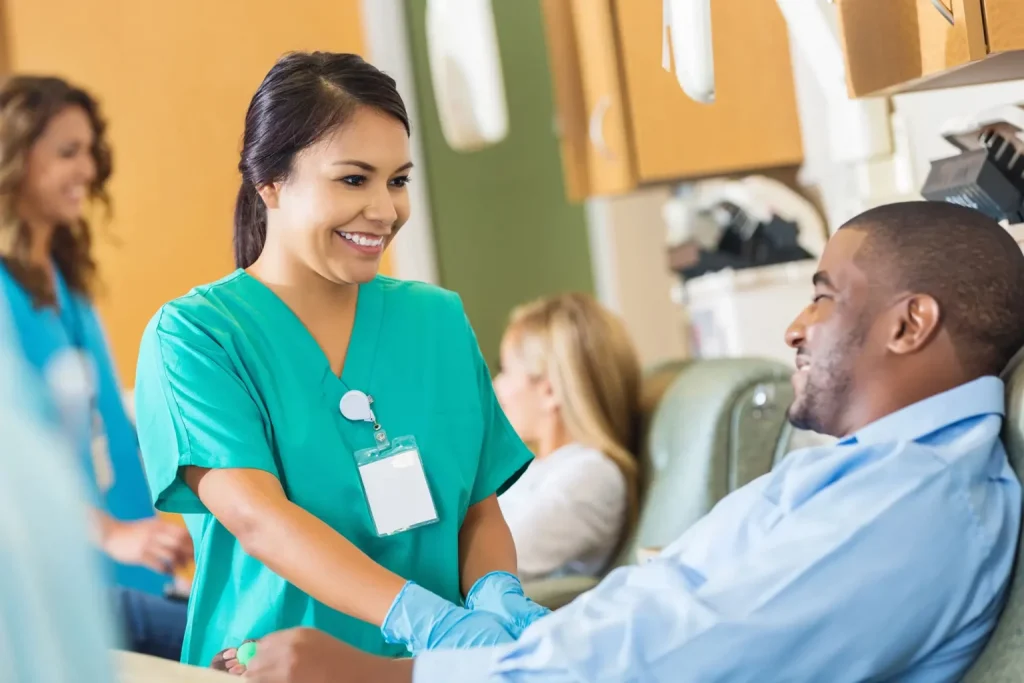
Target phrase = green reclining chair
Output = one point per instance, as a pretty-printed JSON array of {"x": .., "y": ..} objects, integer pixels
[
  {"x": 1002, "y": 661},
  {"x": 711, "y": 426}
]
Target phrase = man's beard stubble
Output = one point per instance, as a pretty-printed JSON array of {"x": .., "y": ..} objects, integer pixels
[{"x": 826, "y": 393}]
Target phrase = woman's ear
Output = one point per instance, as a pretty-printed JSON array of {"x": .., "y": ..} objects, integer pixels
[
  {"x": 549, "y": 399},
  {"x": 269, "y": 194},
  {"x": 916, "y": 321}
]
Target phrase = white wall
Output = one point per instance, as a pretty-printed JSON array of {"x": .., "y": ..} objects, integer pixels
[
  {"x": 632, "y": 276},
  {"x": 413, "y": 252}
]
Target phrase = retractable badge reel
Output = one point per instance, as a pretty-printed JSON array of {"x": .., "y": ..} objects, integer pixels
[{"x": 392, "y": 474}]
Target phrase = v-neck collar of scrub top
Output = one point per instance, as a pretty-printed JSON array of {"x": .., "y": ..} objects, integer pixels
[{"x": 357, "y": 372}]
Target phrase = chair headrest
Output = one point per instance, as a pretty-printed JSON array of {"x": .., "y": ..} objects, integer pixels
[{"x": 1002, "y": 660}]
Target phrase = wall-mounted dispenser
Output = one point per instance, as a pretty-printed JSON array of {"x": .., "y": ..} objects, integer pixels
[
  {"x": 988, "y": 173},
  {"x": 686, "y": 41},
  {"x": 465, "y": 69}
]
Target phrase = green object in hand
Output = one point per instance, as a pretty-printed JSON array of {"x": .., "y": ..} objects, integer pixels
[{"x": 246, "y": 652}]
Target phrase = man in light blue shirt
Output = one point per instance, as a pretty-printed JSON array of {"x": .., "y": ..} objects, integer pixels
[
  {"x": 883, "y": 557},
  {"x": 54, "y": 626}
]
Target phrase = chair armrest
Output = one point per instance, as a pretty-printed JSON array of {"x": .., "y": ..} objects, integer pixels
[{"x": 558, "y": 592}]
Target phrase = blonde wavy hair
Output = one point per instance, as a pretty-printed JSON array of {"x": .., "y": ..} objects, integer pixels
[
  {"x": 27, "y": 105},
  {"x": 585, "y": 353}
]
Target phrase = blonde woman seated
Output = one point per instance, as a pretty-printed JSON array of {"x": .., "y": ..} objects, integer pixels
[{"x": 570, "y": 386}]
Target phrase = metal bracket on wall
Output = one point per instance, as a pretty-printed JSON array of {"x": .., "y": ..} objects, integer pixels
[{"x": 946, "y": 12}]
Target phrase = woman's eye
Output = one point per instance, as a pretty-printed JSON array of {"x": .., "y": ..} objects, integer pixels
[
  {"x": 353, "y": 180},
  {"x": 401, "y": 181}
]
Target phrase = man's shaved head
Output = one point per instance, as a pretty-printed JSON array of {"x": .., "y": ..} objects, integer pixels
[{"x": 964, "y": 260}]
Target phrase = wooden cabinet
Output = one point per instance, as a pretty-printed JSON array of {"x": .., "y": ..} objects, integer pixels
[
  {"x": 625, "y": 121},
  {"x": 894, "y": 46}
]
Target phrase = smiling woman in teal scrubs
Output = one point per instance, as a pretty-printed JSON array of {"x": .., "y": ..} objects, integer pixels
[{"x": 372, "y": 522}]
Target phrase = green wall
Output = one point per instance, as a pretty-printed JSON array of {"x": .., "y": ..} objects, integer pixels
[{"x": 505, "y": 232}]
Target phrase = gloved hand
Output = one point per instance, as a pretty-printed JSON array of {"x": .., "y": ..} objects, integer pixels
[
  {"x": 502, "y": 594},
  {"x": 422, "y": 621}
]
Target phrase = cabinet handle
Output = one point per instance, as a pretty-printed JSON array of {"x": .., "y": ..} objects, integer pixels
[
  {"x": 944, "y": 11},
  {"x": 597, "y": 127}
]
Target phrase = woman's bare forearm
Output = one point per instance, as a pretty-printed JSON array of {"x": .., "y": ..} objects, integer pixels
[
  {"x": 300, "y": 548},
  {"x": 296, "y": 545},
  {"x": 485, "y": 543}
]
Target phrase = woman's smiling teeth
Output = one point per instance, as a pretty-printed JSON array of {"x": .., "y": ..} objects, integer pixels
[{"x": 363, "y": 240}]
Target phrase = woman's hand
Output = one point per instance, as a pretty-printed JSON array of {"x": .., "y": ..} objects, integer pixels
[
  {"x": 501, "y": 593},
  {"x": 152, "y": 543},
  {"x": 421, "y": 620}
]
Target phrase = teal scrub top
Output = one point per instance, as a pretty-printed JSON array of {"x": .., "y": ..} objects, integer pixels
[
  {"x": 229, "y": 377},
  {"x": 47, "y": 332}
]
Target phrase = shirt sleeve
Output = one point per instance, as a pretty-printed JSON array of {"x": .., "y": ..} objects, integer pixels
[
  {"x": 577, "y": 510},
  {"x": 457, "y": 666},
  {"x": 831, "y": 589},
  {"x": 503, "y": 455},
  {"x": 193, "y": 408}
]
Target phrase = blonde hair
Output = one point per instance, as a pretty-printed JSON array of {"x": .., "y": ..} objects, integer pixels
[{"x": 584, "y": 351}]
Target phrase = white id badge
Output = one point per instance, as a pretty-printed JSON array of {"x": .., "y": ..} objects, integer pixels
[
  {"x": 396, "y": 487},
  {"x": 100, "y": 449}
]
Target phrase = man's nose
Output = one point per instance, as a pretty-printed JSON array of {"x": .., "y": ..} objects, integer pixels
[{"x": 796, "y": 333}]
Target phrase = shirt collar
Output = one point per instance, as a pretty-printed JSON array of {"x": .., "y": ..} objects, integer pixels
[{"x": 983, "y": 396}]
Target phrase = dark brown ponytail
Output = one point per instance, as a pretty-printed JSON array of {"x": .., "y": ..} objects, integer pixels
[{"x": 250, "y": 225}]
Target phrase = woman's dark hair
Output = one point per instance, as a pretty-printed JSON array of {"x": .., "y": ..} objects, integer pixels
[
  {"x": 304, "y": 97},
  {"x": 27, "y": 105}
]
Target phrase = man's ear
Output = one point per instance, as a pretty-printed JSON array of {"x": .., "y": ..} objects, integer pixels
[
  {"x": 915, "y": 322},
  {"x": 269, "y": 193}
]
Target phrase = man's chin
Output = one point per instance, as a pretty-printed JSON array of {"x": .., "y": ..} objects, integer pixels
[{"x": 800, "y": 418}]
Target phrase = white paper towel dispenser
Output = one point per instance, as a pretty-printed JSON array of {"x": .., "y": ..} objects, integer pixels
[
  {"x": 686, "y": 34},
  {"x": 465, "y": 69}
]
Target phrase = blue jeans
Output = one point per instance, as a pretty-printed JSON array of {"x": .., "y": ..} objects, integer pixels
[{"x": 151, "y": 625}]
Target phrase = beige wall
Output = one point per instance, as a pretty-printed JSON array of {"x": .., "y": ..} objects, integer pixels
[
  {"x": 628, "y": 247},
  {"x": 174, "y": 79}
]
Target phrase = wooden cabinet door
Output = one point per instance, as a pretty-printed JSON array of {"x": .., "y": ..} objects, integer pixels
[
  {"x": 596, "y": 155},
  {"x": 753, "y": 122},
  {"x": 897, "y": 45},
  {"x": 1004, "y": 20}
]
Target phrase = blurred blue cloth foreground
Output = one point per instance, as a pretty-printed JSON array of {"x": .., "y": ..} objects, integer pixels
[
  {"x": 54, "y": 623},
  {"x": 884, "y": 557},
  {"x": 48, "y": 335}
]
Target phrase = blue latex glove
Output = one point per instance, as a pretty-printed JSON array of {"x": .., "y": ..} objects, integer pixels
[
  {"x": 422, "y": 621},
  {"x": 502, "y": 594}
]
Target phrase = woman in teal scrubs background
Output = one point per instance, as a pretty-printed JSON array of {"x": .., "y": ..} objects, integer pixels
[
  {"x": 54, "y": 158},
  {"x": 240, "y": 381}
]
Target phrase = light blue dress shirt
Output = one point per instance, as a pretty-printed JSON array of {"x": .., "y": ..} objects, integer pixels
[
  {"x": 54, "y": 626},
  {"x": 883, "y": 557}
]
